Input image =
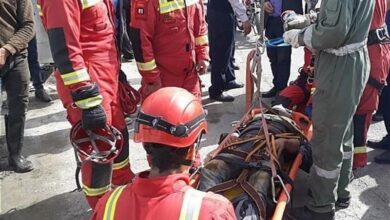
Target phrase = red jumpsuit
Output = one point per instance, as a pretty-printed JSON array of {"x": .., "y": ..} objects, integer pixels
[
  {"x": 166, "y": 197},
  {"x": 380, "y": 62},
  {"x": 297, "y": 95},
  {"x": 169, "y": 38},
  {"x": 82, "y": 41}
]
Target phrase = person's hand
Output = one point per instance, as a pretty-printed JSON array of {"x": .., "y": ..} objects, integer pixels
[
  {"x": 94, "y": 117},
  {"x": 268, "y": 7},
  {"x": 247, "y": 27},
  {"x": 291, "y": 37},
  {"x": 201, "y": 66},
  {"x": 148, "y": 88},
  {"x": 3, "y": 56}
]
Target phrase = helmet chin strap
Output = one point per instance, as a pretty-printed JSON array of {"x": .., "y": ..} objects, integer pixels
[{"x": 196, "y": 147}]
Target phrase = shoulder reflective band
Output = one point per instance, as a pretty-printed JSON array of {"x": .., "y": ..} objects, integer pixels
[
  {"x": 75, "y": 77},
  {"x": 39, "y": 10},
  {"x": 88, "y": 3},
  {"x": 89, "y": 102},
  {"x": 110, "y": 208},
  {"x": 151, "y": 65},
  {"x": 192, "y": 203},
  {"x": 202, "y": 40},
  {"x": 167, "y": 6},
  {"x": 96, "y": 191}
]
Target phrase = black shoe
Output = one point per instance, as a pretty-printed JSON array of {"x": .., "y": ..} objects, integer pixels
[
  {"x": 377, "y": 117},
  {"x": 222, "y": 98},
  {"x": 343, "y": 203},
  {"x": 42, "y": 95},
  {"x": 19, "y": 164},
  {"x": 271, "y": 93},
  {"x": 128, "y": 57},
  {"x": 233, "y": 85},
  {"x": 382, "y": 144},
  {"x": 304, "y": 213},
  {"x": 383, "y": 158},
  {"x": 235, "y": 67}
]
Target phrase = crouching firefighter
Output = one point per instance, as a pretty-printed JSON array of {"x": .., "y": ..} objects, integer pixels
[
  {"x": 82, "y": 41},
  {"x": 170, "y": 125}
]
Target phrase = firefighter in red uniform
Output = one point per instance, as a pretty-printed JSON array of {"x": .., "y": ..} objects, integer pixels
[
  {"x": 379, "y": 53},
  {"x": 170, "y": 126},
  {"x": 170, "y": 43},
  {"x": 82, "y": 41}
]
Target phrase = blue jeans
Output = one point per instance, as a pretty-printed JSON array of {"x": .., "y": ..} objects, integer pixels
[{"x": 33, "y": 64}]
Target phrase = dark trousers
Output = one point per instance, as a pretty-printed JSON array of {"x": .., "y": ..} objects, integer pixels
[
  {"x": 15, "y": 78},
  {"x": 280, "y": 57},
  {"x": 221, "y": 41},
  {"x": 33, "y": 64},
  {"x": 385, "y": 105}
]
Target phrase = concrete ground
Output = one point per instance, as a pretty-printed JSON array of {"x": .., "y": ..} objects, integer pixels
[{"x": 47, "y": 192}]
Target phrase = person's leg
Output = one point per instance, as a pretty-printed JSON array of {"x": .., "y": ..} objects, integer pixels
[
  {"x": 386, "y": 105},
  {"x": 343, "y": 193},
  {"x": 16, "y": 84},
  {"x": 284, "y": 66}
]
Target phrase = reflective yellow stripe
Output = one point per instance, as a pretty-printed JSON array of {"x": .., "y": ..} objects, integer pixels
[
  {"x": 88, "y": 3},
  {"x": 95, "y": 191},
  {"x": 167, "y": 6},
  {"x": 360, "y": 150},
  {"x": 201, "y": 40},
  {"x": 117, "y": 166},
  {"x": 39, "y": 10},
  {"x": 109, "y": 210},
  {"x": 89, "y": 102},
  {"x": 75, "y": 77},
  {"x": 147, "y": 66},
  {"x": 191, "y": 204}
]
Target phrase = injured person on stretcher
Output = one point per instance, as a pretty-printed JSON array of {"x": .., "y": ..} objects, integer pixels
[{"x": 250, "y": 170}]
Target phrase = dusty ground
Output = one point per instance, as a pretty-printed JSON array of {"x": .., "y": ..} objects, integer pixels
[{"x": 46, "y": 193}]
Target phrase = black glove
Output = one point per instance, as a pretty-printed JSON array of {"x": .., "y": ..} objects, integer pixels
[
  {"x": 94, "y": 117},
  {"x": 307, "y": 160}
]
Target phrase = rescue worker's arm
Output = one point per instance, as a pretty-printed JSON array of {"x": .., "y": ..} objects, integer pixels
[
  {"x": 25, "y": 31},
  {"x": 142, "y": 27},
  {"x": 201, "y": 39},
  {"x": 98, "y": 212}
]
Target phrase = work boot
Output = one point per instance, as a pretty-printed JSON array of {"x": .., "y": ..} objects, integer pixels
[
  {"x": 271, "y": 93},
  {"x": 304, "y": 213},
  {"x": 343, "y": 203},
  {"x": 383, "y": 158},
  {"x": 42, "y": 95},
  {"x": 360, "y": 160},
  {"x": 19, "y": 164},
  {"x": 382, "y": 144},
  {"x": 222, "y": 97},
  {"x": 377, "y": 117},
  {"x": 233, "y": 85}
]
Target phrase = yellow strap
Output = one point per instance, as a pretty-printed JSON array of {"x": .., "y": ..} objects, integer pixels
[
  {"x": 117, "y": 166},
  {"x": 202, "y": 40},
  {"x": 360, "y": 150},
  {"x": 147, "y": 66},
  {"x": 109, "y": 210},
  {"x": 75, "y": 77},
  {"x": 89, "y": 102},
  {"x": 96, "y": 191},
  {"x": 88, "y": 3},
  {"x": 192, "y": 203}
]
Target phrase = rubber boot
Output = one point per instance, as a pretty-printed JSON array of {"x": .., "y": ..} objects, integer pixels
[{"x": 14, "y": 131}]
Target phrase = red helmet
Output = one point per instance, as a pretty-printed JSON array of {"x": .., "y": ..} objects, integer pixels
[
  {"x": 170, "y": 116},
  {"x": 100, "y": 145}
]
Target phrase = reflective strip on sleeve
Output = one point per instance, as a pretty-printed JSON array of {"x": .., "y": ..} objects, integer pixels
[
  {"x": 117, "y": 166},
  {"x": 75, "y": 77},
  {"x": 201, "y": 40},
  {"x": 347, "y": 155},
  {"x": 360, "y": 150},
  {"x": 332, "y": 174},
  {"x": 39, "y": 10},
  {"x": 147, "y": 66},
  {"x": 89, "y": 102},
  {"x": 192, "y": 203},
  {"x": 88, "y": 3},
  {"x": 167, "y": 6},
  {"x": 96, "y": 191},
  {"x": 109, "y": 210}
]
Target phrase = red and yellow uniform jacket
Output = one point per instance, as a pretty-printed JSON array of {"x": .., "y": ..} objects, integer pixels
[
  {"x": 168, "y": 36},
  {"x": 167, "y": 197}
]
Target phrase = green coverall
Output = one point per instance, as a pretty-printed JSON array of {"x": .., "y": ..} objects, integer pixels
[{"x": 340, "y": 77}]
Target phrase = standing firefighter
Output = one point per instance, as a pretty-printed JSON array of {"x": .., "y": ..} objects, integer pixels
[
  {"x": 342, "y": 67},
  {"x": 170, "y": 43},
  {"x": 379, "y": 52},
  {"x": 170, "y": 125},
  {"x": 82, "y": 41}
]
